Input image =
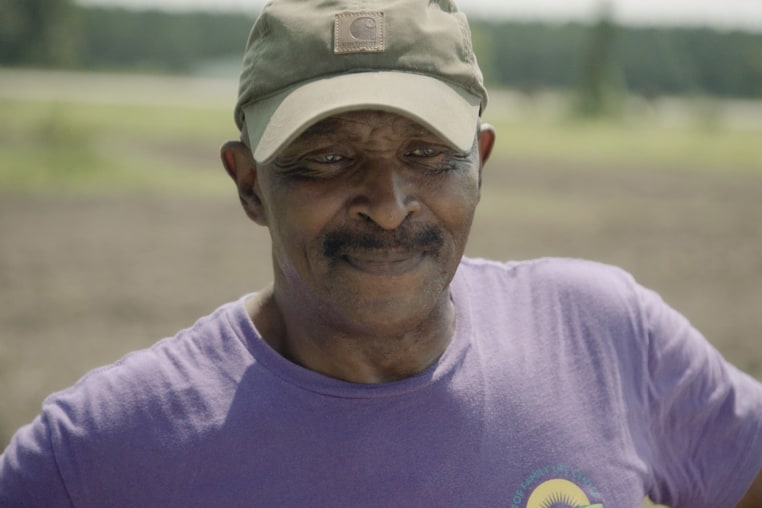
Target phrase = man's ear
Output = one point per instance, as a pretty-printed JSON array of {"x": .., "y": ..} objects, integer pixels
[
  {"x": 241, "y": 167},
  {"x": 486, "y": 142}
]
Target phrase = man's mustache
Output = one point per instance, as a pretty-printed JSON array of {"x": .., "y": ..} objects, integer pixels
[{"x": 403, "y": 239}]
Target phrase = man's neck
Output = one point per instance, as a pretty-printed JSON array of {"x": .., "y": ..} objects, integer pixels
[{"x": 354, "y": 356}]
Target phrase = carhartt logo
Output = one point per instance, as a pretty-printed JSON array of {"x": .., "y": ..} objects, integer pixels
[
  {"x": 359, "y": 32},
  {"x": 363, "y": 29}
]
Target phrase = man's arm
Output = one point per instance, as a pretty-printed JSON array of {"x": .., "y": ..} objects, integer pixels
[
  {"x": 753, "y": 497},
  {"x": 29, "y": 473}
]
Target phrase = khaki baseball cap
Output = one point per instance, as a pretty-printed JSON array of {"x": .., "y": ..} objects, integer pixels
[{"x": 307, "y": 60}]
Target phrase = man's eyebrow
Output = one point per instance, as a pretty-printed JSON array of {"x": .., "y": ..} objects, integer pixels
[
  {"x": 319, "y": 130},
  {"x": 410, "y": 128}
]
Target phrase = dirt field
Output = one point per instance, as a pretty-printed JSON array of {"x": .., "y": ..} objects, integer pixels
[{"x": 83, "y": 280}]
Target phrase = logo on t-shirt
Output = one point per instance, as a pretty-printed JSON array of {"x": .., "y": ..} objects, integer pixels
[{"x": 556, "y": 486}]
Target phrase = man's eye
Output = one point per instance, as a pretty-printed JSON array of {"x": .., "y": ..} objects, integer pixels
[
  {"x": 330, "y": 158},
  {"x": 424, "y": 151}
]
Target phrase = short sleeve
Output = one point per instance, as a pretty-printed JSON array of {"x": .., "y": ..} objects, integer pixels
[
  {"x": 29, "y": 474},
  {"x": 705, "y": 416}
]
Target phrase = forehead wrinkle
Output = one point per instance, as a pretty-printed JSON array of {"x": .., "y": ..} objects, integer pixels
[
  {"x": 325, "y": 129},
  {"x": 399, "y": 123},
  {"x": 411, "y": 128},
  {"x": 362, "y": 127}
]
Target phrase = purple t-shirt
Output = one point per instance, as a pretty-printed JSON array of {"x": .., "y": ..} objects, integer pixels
[{"x": 566, "y": 384}]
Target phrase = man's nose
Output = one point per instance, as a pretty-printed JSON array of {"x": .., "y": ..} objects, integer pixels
[{"x": 386, "y": 196}]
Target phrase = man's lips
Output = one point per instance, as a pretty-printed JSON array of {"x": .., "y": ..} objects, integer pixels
[{"x": 386, "y": 263}]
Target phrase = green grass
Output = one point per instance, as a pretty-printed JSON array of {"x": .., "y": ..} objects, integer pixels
[
  {"x": 55, "y": 146},
  {"x": 86, "y": 147},
  {"x": 630, "y": 144}
]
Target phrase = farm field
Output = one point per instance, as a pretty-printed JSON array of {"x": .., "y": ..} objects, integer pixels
[{"x": 118, "y": 225}]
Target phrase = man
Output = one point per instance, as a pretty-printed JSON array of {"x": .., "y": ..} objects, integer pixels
[{"x": 380, "y": 368}]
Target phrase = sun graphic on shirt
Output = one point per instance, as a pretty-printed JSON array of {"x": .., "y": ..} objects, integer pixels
[{"x": 559, "y": 493}]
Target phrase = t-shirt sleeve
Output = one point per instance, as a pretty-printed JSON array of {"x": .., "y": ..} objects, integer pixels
[
  {"x": 705, "y": 416},
  {"x": 29, "y": 473}
]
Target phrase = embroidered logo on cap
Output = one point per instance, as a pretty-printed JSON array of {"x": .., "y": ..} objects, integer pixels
[{"x": 358, "y": 32}]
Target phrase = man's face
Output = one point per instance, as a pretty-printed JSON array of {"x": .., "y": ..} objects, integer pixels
[{"x": 369, "y": 214}]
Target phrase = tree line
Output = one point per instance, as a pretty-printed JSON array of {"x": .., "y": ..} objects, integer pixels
[
  {"x": 648, "y": 61},
  {"x": 520, "y": 55}
]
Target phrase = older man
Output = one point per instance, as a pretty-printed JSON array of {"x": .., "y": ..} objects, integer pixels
[{"x": 381, "y": 368}]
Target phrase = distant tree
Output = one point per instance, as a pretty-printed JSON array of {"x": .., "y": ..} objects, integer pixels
[
  {"x": 159, "y": 41},
  {"x": 593, "y": 60},
  {"x": 691, "y": 61},
  {"x": 481, "y": 35},
  {"x": 654, "y": 62},
  {"x": 597, "y": 61},
  {"x": 726, "y": 64},
  {"x": 599, "y": 87},
  {"x": 530, "y": 56},
  {"x": 38, "y": 32}
]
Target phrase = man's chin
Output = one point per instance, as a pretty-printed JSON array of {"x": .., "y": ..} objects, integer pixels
[{"x": 384, "y": 281}]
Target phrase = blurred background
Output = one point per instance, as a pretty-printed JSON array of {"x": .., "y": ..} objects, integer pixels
[{"x": 629, "y": 132}]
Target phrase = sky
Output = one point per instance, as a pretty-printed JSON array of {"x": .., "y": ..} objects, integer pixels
[{"x": 724, "y": 14}]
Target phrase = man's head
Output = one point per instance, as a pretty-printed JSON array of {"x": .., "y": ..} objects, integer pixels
[
  {"x": 362, "y": 154},
  {"x": 307, "y": 60}
]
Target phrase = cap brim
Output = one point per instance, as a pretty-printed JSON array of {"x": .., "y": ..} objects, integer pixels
[{"x": 448, "y": 111}]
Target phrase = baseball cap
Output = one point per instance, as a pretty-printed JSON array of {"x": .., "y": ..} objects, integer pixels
[{"x": 307, "y": 60}]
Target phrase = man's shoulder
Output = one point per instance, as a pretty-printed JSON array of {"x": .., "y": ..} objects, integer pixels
[
  {"x": 559, "y": 271},
  {"x": 147, "y": 380},
  {"x": 549, "y": 282},
  {"x": 142, "y": 411}
]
